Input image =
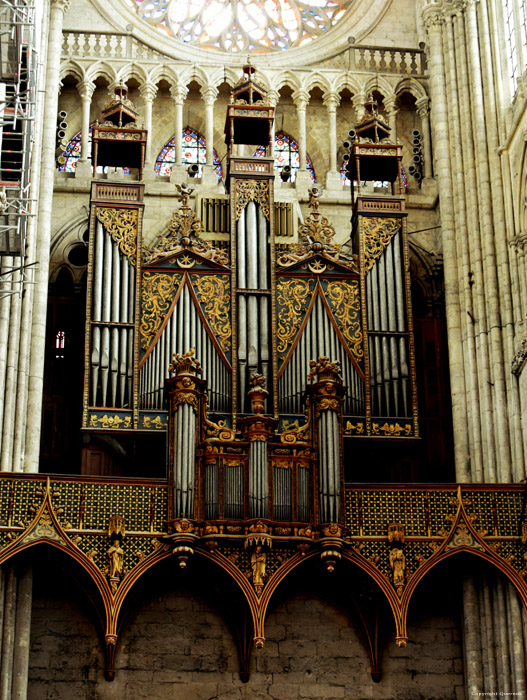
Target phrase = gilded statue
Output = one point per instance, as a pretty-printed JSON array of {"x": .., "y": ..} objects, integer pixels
[
  {"x": 397, "y": 565},
  {"x": 116, "y": 557},
  {"x": 258, "y": 562}
]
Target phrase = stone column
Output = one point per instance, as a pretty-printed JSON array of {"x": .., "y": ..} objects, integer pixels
[
  {"x": 428, "y": 184},
  {"x": 148, "y": 92},
  {"x": 47, "y": 173},
  {"x": 358, "y": 101},
  {"x": 331, "y": 102},
  {"x": 179, "y": 94},
  {"x": 86, "y": 89},
  {"x": 302, "y": 179},
  {"x": 209, "y": 93},
  {"x": 434, "y": 20},
  {"x": 390, "y": 105}
]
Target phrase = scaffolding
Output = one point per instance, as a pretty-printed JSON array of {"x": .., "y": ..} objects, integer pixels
[{"x": 18, "y": 92}]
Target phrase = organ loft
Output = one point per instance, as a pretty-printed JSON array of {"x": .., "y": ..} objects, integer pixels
[{"x": 268, "y": 436}]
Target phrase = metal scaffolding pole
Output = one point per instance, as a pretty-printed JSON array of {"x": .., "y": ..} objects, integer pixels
[{"x": 18, "y": 85}]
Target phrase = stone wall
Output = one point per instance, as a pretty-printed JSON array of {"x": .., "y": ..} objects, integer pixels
[{"x": 179, "y": 647}]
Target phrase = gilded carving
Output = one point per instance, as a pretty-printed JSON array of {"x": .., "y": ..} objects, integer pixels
[
  {"x": 295, "y": 433},
  {"x": 121, "y": 224},
  {"x": 377, "y": 234},
  {"x": 293, "y": 296},
  {"x": 213, "y": 292},
  {"x": 251, "y": 191},
  {"x": 316, "y": 232},
  {"x": 345, "y": 303},
  {"x": 184, "y": 229},
  {"x": 185, "y": 364},
  {"x": 398, "y": 566},
  {"x": 157, "y": 292}
]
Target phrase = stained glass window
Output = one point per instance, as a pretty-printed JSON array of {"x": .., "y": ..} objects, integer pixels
[
  {"x": 242, "y": 25},
  {"x": 376, "y": 183},
  {"x": 68, "y": 161},
  {"x": 286, "y": 153},
  {"x": 515, "y": 16},
  {"x": 193, "y": 149}
]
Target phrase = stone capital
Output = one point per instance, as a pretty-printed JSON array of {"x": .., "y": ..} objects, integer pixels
[
  {"x": 148, "y": 92},
  {"x": 358, "y": 101},
  {"x": 390, "y": 104},
  {"x": 86, "y": 89},
  {"x": 273, "y": 97},
  {"x": 209, "y": 93},
  {"x": 433, "y": 17},
  {"x": 423, "y": 107},
  {"x": 301, "y": 98},
  {"x": 331, "y": 101},
  {"x": 60, "y": 4},
  {"x": 179, "y": 93}
]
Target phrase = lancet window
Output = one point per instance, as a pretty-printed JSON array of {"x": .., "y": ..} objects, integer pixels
[
  {"x": 193, "y": 151},
  {"x": 515, "y": 12},
  {"x": 286, "y": 152}
]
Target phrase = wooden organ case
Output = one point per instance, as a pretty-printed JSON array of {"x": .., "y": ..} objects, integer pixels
[{"x": 257, "y": 360}]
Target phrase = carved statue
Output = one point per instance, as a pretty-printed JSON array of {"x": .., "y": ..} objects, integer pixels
[
  {"x": 258, "y": 562},
  {"x": 397, "y": 565},
  {"x": 116, "y": 557}
]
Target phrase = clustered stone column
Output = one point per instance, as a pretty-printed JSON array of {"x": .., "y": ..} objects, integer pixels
[{"x": 480, "y": 308}]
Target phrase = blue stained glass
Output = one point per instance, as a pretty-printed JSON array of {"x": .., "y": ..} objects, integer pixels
[
  {"x": 72, "y": 154},
  {"x": 286, "y": 153},
  {"x": 193, "y": 151}
]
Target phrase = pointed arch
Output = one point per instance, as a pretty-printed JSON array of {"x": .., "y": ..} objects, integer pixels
[{"x": 193, "y": 152}]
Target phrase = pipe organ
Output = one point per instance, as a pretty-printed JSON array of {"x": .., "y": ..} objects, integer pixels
[{"x": 258, "y": 359}]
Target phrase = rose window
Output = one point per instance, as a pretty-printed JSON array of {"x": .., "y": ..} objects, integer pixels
[{"x": 242, "y": 25}]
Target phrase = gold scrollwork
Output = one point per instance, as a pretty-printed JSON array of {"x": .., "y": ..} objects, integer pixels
[
  {"x": 157, "y": 292},
  {"x": 295, "y": 433},
  {"x": 121, "y": 224},
  {"x": 251, "y": 191},
  {"x": 345, "y": 303},
  {"x": 293, "y": 297},
  {"x": 185, "y": 397},
  {"x": 392, "y": 429},
  {"x": 213, "y": 292},
  {"x": 377, "y": 232}
]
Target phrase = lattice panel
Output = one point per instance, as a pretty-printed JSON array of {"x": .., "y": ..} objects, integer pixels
[
  {"x": 439, "y": 506},
  {"x": 481, "y": 503},
  {"x": 381, "y": 507},
  {"x": 416, "y": 554},
  {"x": 513, "y": 553},
  {"x": 377, "y": 554},
  {"x": 509, "y": 506},
  {"x": 139, "y": 504},
  {"x": 351, "y": 506},
  {"x": 69, "y": 500},
  {"x": 22, "y": 495}
]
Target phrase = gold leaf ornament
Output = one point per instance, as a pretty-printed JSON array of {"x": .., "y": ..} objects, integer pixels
[
  {"x": 345, "y": 303},
  {"x": 121, "y": 224},
  {"x": 293, "y": 297},
  {"x": 213, "y": 292},
  {"x": 158, "y": 291}
]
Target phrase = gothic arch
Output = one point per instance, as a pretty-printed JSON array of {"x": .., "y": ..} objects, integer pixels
[{"x": 102, "y": 70}]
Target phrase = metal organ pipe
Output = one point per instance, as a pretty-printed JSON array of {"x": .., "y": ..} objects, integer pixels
[{"x": 183, "y": 329}]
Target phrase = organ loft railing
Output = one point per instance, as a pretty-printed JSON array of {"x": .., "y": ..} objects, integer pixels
[{"x": 259, "y": 362}]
